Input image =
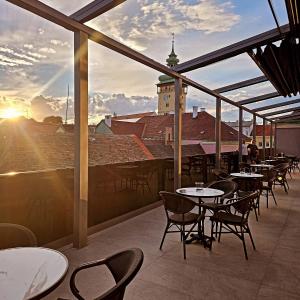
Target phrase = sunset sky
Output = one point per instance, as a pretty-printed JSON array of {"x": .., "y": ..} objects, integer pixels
[{"x": 36, "y": 56}]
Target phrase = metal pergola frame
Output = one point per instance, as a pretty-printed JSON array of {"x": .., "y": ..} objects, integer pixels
[{"x": 82, "y": 33}]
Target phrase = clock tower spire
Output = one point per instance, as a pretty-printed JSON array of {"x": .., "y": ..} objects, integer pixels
[{"x": 166, "y": 86}]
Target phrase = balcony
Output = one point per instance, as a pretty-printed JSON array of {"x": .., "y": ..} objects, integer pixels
[{"x": 270, "y": 273}]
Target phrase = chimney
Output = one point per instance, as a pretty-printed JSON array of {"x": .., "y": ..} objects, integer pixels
[
  {"x": 195, "y": 112},
  {"x": 108, "y": 120},
  {"x": 168, "y": 135},
  {"x": 202, "y": 109}
]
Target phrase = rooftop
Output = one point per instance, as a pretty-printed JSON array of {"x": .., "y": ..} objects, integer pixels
[
  {"x": 200, "y": 128},
  {"x": 23, "y": 152}
]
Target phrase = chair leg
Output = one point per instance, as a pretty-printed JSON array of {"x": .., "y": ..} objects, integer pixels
[
  {"x": 251, "y": 238},
  {"x": 256, "y": 217},
  {"x": 212, "y": 233},
  {"x": 183, "y": 241},
  {"x": 286, "y": 183},
  {"x": 284, "y": 186},
  {"x": 244, "y": 244},
  {"x": 274, "y": 197},
  {"x": 267, "y": 199},
  {"x": 220, "y": 231},
  {"x": 163, "y": 239},
  {"x": 181, "y": 234}
]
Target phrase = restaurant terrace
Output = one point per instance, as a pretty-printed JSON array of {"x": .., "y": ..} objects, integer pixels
[{"x": 93, "y": 210}]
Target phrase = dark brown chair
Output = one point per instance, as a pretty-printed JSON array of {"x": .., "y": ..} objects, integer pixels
[
  {"x": 14, "y": 235},
  {"x": 229, "y": 187},
  {"x": 220, "y": 174},
  {"x": 233, "y": 217},
  {"x": 248, "y": 185},
  {"x": 267, "y": 184},
  {"x": 123, "y": 265},
  {"x": 281, "y": 180},
  {"x": 178, "y": 211}
]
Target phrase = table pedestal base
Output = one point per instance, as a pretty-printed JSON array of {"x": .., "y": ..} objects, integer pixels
[{"x": 204, "y": 240}]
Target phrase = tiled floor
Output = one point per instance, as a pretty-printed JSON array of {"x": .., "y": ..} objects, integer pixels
[{"x": 272, "y": 271}]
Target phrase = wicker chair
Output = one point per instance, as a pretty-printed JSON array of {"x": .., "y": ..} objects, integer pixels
[
  {"x": 281, "y": 180},
  {"x": 14, "y": 235},
  {"x": 267, "y": 184},
  {"x": 249, "y": 185},
  {"x": 227, "y": 186},
  {"x": 220, "y": 174},
  {"x": 233, "y": 217},
  {"x": 123, "y": 265},
  {"x": 178, "y": 211}
]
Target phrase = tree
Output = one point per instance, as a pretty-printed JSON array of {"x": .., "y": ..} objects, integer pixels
[{"x": 53, "y": 120}]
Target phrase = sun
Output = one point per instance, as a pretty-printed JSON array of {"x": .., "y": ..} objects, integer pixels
[{"x": 10, "y": 113}]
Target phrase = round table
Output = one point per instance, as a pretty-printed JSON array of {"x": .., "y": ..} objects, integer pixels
[
  {"x": 246, "y": 175},
  {"x": 200, "y": 193},
  {"x": 30, "y": 272},
  {"x": 262, "y": 166}
]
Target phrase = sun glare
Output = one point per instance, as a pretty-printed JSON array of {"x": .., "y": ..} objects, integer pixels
[{"x": 10, "y": 113}]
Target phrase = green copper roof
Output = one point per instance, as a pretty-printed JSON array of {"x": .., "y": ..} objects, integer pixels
[
  {"x": 172, "y": 61},
  {"x": 165, "y": 79}
]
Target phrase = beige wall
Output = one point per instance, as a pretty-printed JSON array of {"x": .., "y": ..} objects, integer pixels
[{"x": 166, "y": 99}]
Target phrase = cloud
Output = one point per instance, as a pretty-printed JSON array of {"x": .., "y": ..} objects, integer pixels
[
  {"x": 47, "y": 50},
  {"x": 100, "y": 104},
  {"x": 150, "y": 20}
]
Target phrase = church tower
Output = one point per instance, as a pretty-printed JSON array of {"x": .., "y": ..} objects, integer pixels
[{"x": 166, "y": 87}]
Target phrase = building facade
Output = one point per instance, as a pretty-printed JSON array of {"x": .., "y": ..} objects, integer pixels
[{"x": 166, "y": 87}]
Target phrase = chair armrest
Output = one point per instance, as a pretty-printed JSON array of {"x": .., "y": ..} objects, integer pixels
[{"x": 92, "y": 264}]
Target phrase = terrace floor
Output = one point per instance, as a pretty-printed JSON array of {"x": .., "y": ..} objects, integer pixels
[{"x": 272, "y": 271}]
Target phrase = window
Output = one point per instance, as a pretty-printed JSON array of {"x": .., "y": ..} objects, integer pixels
[
  {"x": 267, "y": 144},
  {"x": 260, "y": 144},
  {"x": 167, "y": 104}
]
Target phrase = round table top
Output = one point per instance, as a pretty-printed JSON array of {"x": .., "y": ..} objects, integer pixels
[
  {"x": 200, "y": 192},
  {"x": 28, "y": 272},
  {"x": 262, "y": 166},
  {"x": 247, "y": 175}
]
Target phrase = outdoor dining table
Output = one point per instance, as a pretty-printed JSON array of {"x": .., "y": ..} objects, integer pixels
[
  {"x": 30, "y": 272},
  {"x": 262, "y": 166},
  {"x": 246, "y": 175},
  {"x": 201, "y": 194}
]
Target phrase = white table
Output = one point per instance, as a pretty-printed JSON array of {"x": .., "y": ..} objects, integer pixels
[
  {"x": 246, "y": 175},
  {"x": 262, "y": 166},
  {"x": 30, "y": 272},
  {"x": 200, "y": 193}
]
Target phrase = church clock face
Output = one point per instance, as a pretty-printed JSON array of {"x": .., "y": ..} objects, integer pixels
[{"x": 166, "y": 98}]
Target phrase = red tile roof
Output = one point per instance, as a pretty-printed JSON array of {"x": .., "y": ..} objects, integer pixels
[
  {"x": 121, "y": 127},
  {"x": 200, "y": 128},
  {"x": 134, "y": 116},
  {"x": 211, "y": 148},
  {"x": 259, "y": 130},
  {"x": 162, "y": 151},
  {"x": 22, "y": 152}
]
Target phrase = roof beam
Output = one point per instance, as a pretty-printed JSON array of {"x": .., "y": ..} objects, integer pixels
[
  {"x": 278, "y": 112},
  {"x": 233, "y": 50},
  {"x": 259, "y": 98},
  {"x": 288, "y": 117},
  {"x": 274, "y": 15},
  {"x": 241, "y": 84},
  {"x": 94, "y": 9},
  {"x": 277, "y": 105},
  {"x": 61, "y": 19}
]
